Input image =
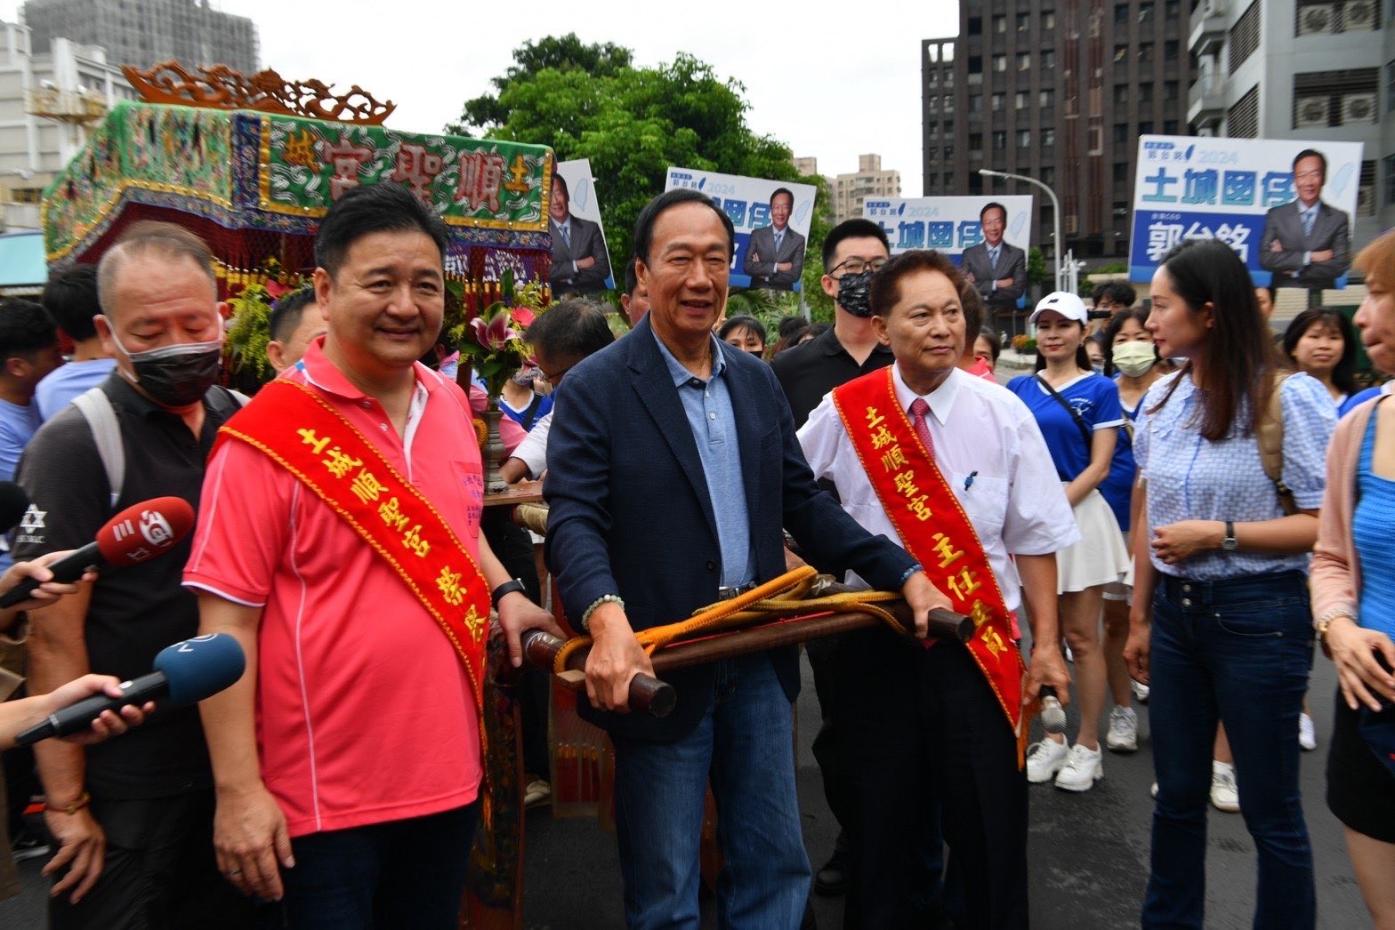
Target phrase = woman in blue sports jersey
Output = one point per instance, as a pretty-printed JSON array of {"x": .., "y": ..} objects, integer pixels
[{"x": 1079, "y": 415}]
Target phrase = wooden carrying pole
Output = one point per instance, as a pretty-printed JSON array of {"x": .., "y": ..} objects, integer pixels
[{"x": 657, "y": 698}]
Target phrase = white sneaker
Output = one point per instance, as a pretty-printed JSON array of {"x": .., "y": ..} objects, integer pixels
[
  {"x": 1082, "y": 769},
  {"x": 1123, "y": 730},
  {"x": 1044, "y": 760},
  {"x": 1307, "y": 735},
  {"x": 1140, "y": 691},
  {"x": 1225, "y": 796}
]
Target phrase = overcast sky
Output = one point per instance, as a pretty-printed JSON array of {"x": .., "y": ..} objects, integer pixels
[{"x": 831, "y": 85}]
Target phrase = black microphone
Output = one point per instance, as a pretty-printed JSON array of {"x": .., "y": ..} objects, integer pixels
[
  {"x": 13, "y": 503},
  {"x": 186, "y": 672},
  {"x": 140, "y": 532}
]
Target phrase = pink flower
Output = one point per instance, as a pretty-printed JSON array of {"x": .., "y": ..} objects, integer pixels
[
  {"x": 523, "y": 316},
  {"x": 495, "y": 334}
]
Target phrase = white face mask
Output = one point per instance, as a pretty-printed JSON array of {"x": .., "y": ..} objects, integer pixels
[{"x": 1134, "y": 358}]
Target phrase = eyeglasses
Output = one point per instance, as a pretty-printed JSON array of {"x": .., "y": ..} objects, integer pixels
[
  {"x": 858, "y": 266},
  {"x": 554, "y": 379}
]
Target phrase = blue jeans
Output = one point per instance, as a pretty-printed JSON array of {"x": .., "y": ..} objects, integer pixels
[
  {"x": 1240, "y": 651},
  {"x": 745, "y": 744},
  {"x": 403, "y": 873}
]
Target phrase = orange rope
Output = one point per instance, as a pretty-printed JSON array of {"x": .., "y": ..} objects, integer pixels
[{"x": 780, "y": 596}]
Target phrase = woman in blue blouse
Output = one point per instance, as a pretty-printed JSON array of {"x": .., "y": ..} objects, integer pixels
[
  {"x": 1220, "y": 624},
  {"x": 1078, "y": 412}
]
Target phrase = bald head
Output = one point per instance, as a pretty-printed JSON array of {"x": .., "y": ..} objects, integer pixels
[{"x": 155, "y": 245}]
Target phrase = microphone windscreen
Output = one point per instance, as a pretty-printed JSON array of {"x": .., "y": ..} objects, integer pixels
[
  {"x": 145, "y": 530},
  {"x": 202, "y": 666},
  {"x": 13, "y": 503}
]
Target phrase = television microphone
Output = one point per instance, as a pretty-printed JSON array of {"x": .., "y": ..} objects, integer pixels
[
  {"x": 137, "y": 534},
  {"x": 185, "y": 673},
  {"x": 1053, "y": 715},
  {"x": 13, "y": 503}
]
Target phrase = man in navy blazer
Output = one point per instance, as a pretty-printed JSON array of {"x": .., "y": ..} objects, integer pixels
[{"x": 672, "y": 468}]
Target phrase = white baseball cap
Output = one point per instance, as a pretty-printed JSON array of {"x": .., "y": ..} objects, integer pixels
[{"x": 1065, "y": 303}]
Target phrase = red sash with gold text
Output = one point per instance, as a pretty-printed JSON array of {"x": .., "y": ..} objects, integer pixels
[
  {"x": 933, "y": 526},
  {"x": 301, "y": 432}
]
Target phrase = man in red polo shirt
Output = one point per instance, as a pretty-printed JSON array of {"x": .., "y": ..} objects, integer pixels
[{"x": 339, "y": 541}]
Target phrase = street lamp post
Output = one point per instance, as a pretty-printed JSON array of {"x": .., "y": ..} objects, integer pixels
[{"x": 1065, "y": 263}]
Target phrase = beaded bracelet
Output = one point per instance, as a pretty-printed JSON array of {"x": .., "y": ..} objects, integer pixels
[{"x": 603, "y": 599}]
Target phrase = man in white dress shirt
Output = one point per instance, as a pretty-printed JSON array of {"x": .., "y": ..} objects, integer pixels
[{"x": 943, "y": 721}]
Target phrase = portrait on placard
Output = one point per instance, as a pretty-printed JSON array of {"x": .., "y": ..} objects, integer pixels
[{"x": 580, "y": 259}]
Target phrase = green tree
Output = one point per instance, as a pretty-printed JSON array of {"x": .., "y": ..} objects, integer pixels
[
  {"x": 589, "y": 101},
  {"x": 1037, "y": 271}
]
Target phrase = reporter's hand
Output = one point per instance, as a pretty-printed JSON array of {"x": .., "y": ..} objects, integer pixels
[
  {"x": 1046, "y": 667},
  {"x": 923, "y": 597},
  {"x": 38, "y": 569},
  {"x": 616, "y": 657},
  {"x": 109, "y": 723},
  {"x": 517, "y": 614},
  {"x": 1354, "y": 650},
  {"x": 82, "y": 850},
  {"x": 250, "y": 841}
]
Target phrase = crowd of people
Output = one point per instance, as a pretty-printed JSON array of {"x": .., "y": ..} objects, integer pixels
[{"x": 1171, "y": 509}]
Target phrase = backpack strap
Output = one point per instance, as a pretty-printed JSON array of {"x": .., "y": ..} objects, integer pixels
[
  {"x": 1269, "y": 432},
  {"x": 95, "y": 406},
  {"x": 1074, "y": 414}
]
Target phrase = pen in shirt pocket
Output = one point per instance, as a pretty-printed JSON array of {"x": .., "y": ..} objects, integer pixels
[{"x": 969, "y": 481}]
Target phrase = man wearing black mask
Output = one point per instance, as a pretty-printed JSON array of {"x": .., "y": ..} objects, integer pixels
[
  {"x": 852, "y": 253},
  {"x": 134, "y": 817}
]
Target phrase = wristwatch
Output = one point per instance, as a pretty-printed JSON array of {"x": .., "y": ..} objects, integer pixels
[
  {"x": 1228, "y": 542},
  {"x": 505, "y": 589}
]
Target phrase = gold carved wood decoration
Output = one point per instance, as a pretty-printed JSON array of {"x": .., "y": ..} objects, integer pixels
[{"x": 220, "y": 87}]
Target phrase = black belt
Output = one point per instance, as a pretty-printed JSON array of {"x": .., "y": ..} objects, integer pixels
[{"x": 727, "y": 592}]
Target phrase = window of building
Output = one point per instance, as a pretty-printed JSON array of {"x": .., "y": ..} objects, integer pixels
[
  {"x": 1145, "y": 128},
  {"x": 1145, "y": 12},
  {"x": 949, "y": 127},
  {"x": 1048, "y": 20},
  {"x": 1048, "y": 60},
  {"x": 1121, "y": 209},
  {"x": 1169, "y": 127},
  {"x": 1145, "y": 51},
  {"x": 1366, "y": 190},
  {"x": 1094, "y": 138},
  {"x": 932, "y": 79},
  {"x": 1000, "y": 25},
  {"x": 1021, "y": 99},
  {"x": 1390, "y": 180},
  {"x": 1145, "y": 93},
  {"x": 1121, "y": 53},
  {"x": 932, "y": 129},
  {"x": 975, "y": 103},
  {"x": 1048, "y": 177},
  {"x": 932, "y": 52},
  {"x": 1046, "y": 98},
  {"x": 1024, "y": 22},
  {"x": 975, "y": 25},
  {"x": 1048, "y": 138},
  {"x": 975, "y": 63},
  {"x": 1121, "y": 133},
  {"x": 1170, "y": 50},
  {"x": 949, "y": 180},
  {"x": 1024, "y": 61},
  {"x": 933, "y": 103},
  {"x": 975, "y": 143},
  {"x": 1335, "y": 98},
  {"x": 1024, "y": 138},
  {"x": 999, "y": 63},
  {"x": 1121, "y": 14},
  {"x": 1170, "y": 90},
  {"x": 949, "y": 103},
  {"x": 933, "y": 182},
  {"x": 949, "y": 152},
  {"x": 948, "y": 79},
  {"x": 998, "y": 100},
  {"x": 947, "y": 51},
  {"x": 1121, "y": 94},
  {"x": 1121, "y": 172},
  {"x": 1390, "y": 86},
  {"x": 999, "y": 140},
  {"x": 1172, "y": 9}
]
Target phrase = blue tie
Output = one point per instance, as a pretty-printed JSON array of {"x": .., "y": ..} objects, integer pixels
[
  {"x": 566, "y": 234},
  {"x": 993, "y": 257},
  {"x": 1309, "y": 218}
]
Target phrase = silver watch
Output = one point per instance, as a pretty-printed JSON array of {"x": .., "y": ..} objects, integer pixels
[{"x": 1228, "y": 542}]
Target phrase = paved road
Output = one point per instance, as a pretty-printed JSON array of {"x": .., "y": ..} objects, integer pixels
[{"x": 1089, "y": 851}]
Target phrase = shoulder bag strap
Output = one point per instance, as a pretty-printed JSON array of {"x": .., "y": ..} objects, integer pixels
[
  {"x": 96, "y": 408},
  {"x": 1074, "y": 414}
]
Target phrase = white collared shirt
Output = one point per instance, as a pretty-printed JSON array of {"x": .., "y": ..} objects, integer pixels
[{"x": 980, "y": 429}]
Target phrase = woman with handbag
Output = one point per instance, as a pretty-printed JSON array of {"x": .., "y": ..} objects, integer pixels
[
  {"x": 1353, "y": 594},
  {"x": 1079, "y": 415},
  {"x": 1220, "y": 624}
]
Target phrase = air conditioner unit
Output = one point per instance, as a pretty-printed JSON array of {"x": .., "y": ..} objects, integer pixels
[
  {"x": 1358, "y": 108},
  {"x": 1358, "y": 15},
  {"x": 1366, "y": 201},
  {"x": 1318, "y": 19},
  {"x": 1312, "y": 112}
]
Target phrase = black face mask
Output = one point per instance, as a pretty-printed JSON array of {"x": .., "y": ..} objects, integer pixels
[
  {"x": 177, "y": 376},
  {"x": 855, "y": 293}
]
